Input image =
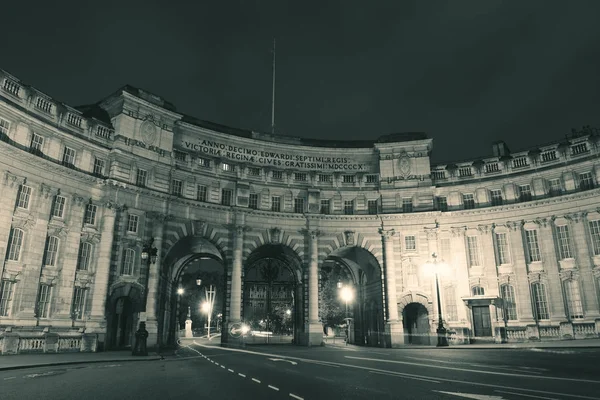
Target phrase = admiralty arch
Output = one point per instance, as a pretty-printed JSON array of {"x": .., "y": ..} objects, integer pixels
[{"x": 108, "y": 211}]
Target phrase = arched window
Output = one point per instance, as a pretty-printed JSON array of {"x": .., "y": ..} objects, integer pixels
[
  {"x": 540, "y": 301},
  {"x": 510, "y": 305},
  {"x": 51, "y": 251},
  {"x": 128, "y": 262},
  {"x": 85, "y": 256},
  {"x": 477, "y": 291},
  {"x": 573, "y": 295},
  {"x": 15, "y": 242}
]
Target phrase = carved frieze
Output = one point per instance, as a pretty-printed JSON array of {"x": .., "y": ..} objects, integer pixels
[
  {"x": 58, "y": 231},
  {"x": 11, "y": 180},
  {"x": 25, "y": 222},
  {"x": 539, "y": 276},
  {"x": 568, "y": 274}
]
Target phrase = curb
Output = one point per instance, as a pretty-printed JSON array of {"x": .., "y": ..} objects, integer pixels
[
  {"x": 468, "y": 347},
  {"x": 59, "y": 363}
]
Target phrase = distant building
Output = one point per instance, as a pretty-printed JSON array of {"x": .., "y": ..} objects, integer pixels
[{"x": 86, "y": 190}]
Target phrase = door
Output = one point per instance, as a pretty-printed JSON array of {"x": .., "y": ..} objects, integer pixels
[{"x": 481, "y": 321}]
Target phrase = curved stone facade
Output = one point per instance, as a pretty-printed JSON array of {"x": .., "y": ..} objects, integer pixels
[{"x": 86, "y": 189}]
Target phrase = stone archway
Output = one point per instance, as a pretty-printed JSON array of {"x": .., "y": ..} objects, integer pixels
[
  {"x": 415, "y": 309},
  {"x": 122, "y": 308}
]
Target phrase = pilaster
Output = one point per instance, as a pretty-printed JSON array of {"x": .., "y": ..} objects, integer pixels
[
  {"x": 462, "y": 273},
  {"x": 551, "y": 267},
  {"x": 235, "y": 306},
  {"x": 314, "y": 328},
  {"x": 393, "y": 327},
  {"x": 585, "y": 264},
  {"x": 521, "y": 284}
]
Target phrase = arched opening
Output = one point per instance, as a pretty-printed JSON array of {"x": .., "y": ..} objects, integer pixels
[
  {"x": 362, "y": 313},
  {"x": 122, "y": 310},
  {"x": 416, "y": 323},
  {"x": 272, "y": 295},
  {"x": 123, "y": 323}
]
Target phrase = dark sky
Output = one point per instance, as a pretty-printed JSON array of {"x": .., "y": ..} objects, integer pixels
[{"x": 466, "y": 72}]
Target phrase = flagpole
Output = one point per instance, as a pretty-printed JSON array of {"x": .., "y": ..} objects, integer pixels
[{"x": 273, "y": 93}]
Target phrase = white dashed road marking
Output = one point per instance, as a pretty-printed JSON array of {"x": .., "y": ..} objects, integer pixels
[
  {"x": 255, "y": 380},
  {"x": 296, "y": 397},
  {"x": 274, "y": 388},
  {"x": 230, "y": 370},
  {"x": 10, "y": 377},
  {"x": 242, "y": 375}
]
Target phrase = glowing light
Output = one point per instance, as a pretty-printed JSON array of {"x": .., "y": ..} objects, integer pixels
[
  {"x": 347, "y": 294},
  {"x": 206, "y": 307},
  {"x": 180, "y": 291}
]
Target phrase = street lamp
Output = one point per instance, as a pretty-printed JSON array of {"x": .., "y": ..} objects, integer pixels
[
  {"x": 149, "y": 255},
  {"x": 436, "y": 267},
  {"x": 347, "y": 295},
  {"x": 207, "y": 306}
]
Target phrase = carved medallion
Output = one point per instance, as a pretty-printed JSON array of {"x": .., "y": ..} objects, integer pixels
[{"x": 148, "y": 132}]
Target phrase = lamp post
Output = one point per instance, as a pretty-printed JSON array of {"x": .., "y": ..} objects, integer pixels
[
  {"x": 347, "y": 295},
  {"x": 442, "y": 340},
  {"x": 149, "y": 254},
  {"x": 208, "y": 305}
]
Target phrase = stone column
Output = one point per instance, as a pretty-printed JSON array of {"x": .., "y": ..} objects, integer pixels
[
  {"x": 314, "y": 328},
  {"x": 584, "y": 262},
  {"x": 459, "y": 259},
  {"x": 153, "y": 281},
  {"x": 521, "y": 283},
  {"x": 394, "y": 331},
  {"x": 554, "y": 289},
  {"x": 235, "y": 305}
]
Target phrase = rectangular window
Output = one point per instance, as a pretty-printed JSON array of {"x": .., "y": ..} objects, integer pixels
[
  {"x": 90, "y": 214},
  {"x": 574, "y": 303},
  {"x": 325, "y": 206},
  {"x": 586, "y": 181},
  {"x": 371, "y": 178},
  {"x": 473, "y": 251},
  {"x": 85, "y": 256},
  {"x": 469, "y": 201},
  {"x": 347, "y": 178},
  {"x": 496, "y": 196},
  {"x": 58, "y": 208},
  {"x": 451, "y": 309},
  {"x": 128, "y": 262},
  {"x": 510, "y": 305},
  {"x": 202, "y": 193},
  {"x": 300, "y": 177},
  {"x": 204, "y": 162},
  {"x": 503, "y": 248},
  {"x": 372, "y": 207},
  {"x": 227, "y": 167},
  {"x": 407, "y": 205},
  {"x": 525, "y": 193},
  {"x": 4, "y": 127},
  {"x": 253, "y": 201},
  {"x": 540, "y": 301},
  {"x": 68, "y": 159},
  {"x": 442, "y": 203},
  {"x": 24, "y": 196},
  {"x": 6, "y": 292},
  {"x": 177, "y": 187},
  {"x": 141, "y": 177},
  {"x": 410, "y": 243},
  {"x": 51, "y": 251},
  {"x": 179, "y": 155},
  {"x": 564, "y": 247},
  {"x": 349, "y": 207},
  {"x": 325, "y": 178},
  {"x": 595, "y": 232},
  {"x": 533, "y": 246},
  {"x": 226, "y": 197},
  {"x": 445, "y": 253},
  {"x": 276, "y": 203},
  {"x": 98, "y": 167},
  {"x": 79, "y": 298},
  {"x": 43, "y": 304},
  {"x": 299, "y": 205},
  {"x": 253, "y": 171},
  {"x": 37, "y": 144},
  {"x": 132, "y": 223},
  {"x": 15, "y": 242},
  {"x": 555, "y": 187},
  {"x": 278, "y": 175}
]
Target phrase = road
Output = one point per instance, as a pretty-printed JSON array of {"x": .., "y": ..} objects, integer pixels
[{"x": 288, "y": 372}]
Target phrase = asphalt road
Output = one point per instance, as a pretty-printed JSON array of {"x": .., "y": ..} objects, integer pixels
[{"x": 278, "y": 372}]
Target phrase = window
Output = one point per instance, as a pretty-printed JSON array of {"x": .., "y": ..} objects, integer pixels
[
  {"x": 347, "y": 178},
  {"x": 128, "y": 262},
  {"x": 525, "y": 193},
  {"x": 510, "y": 305},
  {"x": 204, "y": 162},
  {"x": 6, "y": 291},
  {"x": 325, "y": 178},
  {"x": 85, "y": 256},
  {"x": 533, "y": 246},
  {"x": 573, "y": 295},
  {"x": 98, "y": 167},
  {"x": 253, "y": 201},
  {"x": 503, "y": 248},
  {"x": 300, "y": 176},
  {"x": 58, "y": 208},
  {"x": 253, "y": 171},
  {"x": 177, "y": 187},
  {"x": 477, "y": 291},
  {"x": 371, "y": 178},
  {"x": 51, "y": 251},
  {"x": 325, "y": 206},
  {"x": 469, "y": 201},
  {"x": 410, "y": 243},
  {"x": 4, "y": 126},
  {"x": 407, "y": 205},
  {"x": 496, "y": 196},
  {"x": 595, "y": 232},
  {"x": 201, "y": 193},
  {"x": 445, "y": 253},
  {"x": 78, "y": 306},
  {"x": 555, "y": 187},
  {"x": 278, "y": 175},
  {"x": 540, "y": 301},
  {"x": 226, "y": 197},
  {"x": 179, "y": 155},
  {"x": 141, "y": 177},
  {"x": 90, "y": 214},
  {"x": 299, "y": 205},
  {"x": 132, "y": 223},
  {"x": 372, "y": 207},
  {"x": 68, "y": 159},
  {"x": 451, "y": 309},
  {"x": 442, "y": 203},
  {"x": 227, "y": 167},
  {"x": 564, "y": 248},
  {"x": 349, "y": 207},
  {"x": 43, "y": 303},
  {"x": 24, "y": 196},
  {"x": 36, "y": 145},
  {"x": 473, "y": 251},
  {"x": 276, "y": 203},
  {"x": 586, "y": 181},
  {"x": 15, "y": 242}
]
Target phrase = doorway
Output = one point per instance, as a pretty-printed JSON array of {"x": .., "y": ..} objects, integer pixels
[
  {"x": 416, "y": 323},
  {"x": 482, "y": 325},
  {"x": 123, "y": 323}
]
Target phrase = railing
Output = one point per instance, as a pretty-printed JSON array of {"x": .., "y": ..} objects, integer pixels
[
  {"x": 520, "y": 162},
  {"x": 492, "y": 167},
  {"x": 12, "y": 87},
  {"x": 31, "y": 345},
  {"x": 549, "y": 331},
  {"x": 37, "y": 343},
  {"x": 516, "y": 334},
  {"x": 549, "y": 156},
  {"x": 69, "y": 344},
  {"x": 584, "y": 329}
]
